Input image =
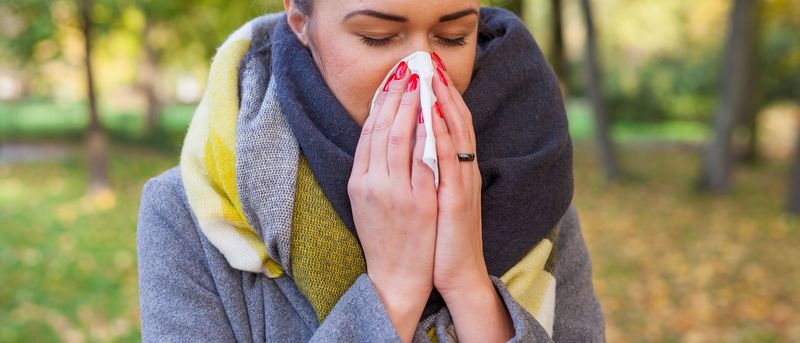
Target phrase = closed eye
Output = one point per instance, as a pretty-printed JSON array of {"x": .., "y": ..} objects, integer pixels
[{"x": 384, "y": 41}]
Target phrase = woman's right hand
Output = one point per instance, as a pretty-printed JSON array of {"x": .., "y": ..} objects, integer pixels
[{"x": 393, "y": 198}]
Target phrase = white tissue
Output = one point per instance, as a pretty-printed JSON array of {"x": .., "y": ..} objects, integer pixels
[{"x": 420, "y": 62}]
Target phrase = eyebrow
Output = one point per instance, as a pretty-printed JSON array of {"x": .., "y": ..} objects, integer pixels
[{"x": 397, "y": 18}]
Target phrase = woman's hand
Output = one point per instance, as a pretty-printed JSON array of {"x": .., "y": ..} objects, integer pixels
[
  {"x": 460, "y": 273},
  {"x": 393, "y": 198},
  {"x": 459, "y": 261}
]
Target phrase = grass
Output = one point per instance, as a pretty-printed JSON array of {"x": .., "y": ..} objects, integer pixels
[
  {"x": 39, "y": 119},
  {"x": 36, "y": 119},
  {"x": 581, "y": 124},
  {"x": 69, "y": 261}
]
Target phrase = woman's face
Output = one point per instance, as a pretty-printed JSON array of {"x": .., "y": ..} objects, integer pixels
[{"x": 356, "y": 42}]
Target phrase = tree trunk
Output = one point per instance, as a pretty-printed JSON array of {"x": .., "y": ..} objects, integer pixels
[
  {"x": 149, "y": 80},
  {"x": 751, "y": 115},
  {"x": 96, "y": 142},
  {"x": 750, "y": 154},
  {"x": 736, "y": 96},
  {"x": 604, "y": 144},
  {"x": 793, "y": 203},
  {"x": 557, "y": 57}
]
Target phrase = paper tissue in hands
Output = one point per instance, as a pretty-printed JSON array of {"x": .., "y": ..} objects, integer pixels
[{"x": 420, "y": 63}]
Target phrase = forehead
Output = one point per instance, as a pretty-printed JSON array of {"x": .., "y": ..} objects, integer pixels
[{"x": 409, "y": 10}]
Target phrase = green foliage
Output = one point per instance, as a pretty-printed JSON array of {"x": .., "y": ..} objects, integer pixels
[
  {"x": 670, "y": 88},
  {"x": 510, "y": 5},
  {"x": 662, "y": 60},
  {"x": 780, "y": 62},
  {"x": 198, "y": 26},
  {"x": 31, "y": 26},
  {"x": 38, "y": 20}
]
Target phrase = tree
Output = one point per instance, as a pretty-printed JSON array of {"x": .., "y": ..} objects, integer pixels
[
  {"x": 156, "y": 14},
  {"x": 604, "y": 144},
  {"x": 149, "y": 77},
  {"x": 750, "y": 116},
  {"x": 736, "y": 95},
  {"x": 793, "y": 203},
  {"x": 97, "y": 143},
  {"x": 189, "y": 24},
  {"x": 557, "y": 55},
  {"x": 37, "y": 29}
]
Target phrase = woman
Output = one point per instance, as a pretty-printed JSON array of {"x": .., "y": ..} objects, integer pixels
[{"x": 301, "y": 212}]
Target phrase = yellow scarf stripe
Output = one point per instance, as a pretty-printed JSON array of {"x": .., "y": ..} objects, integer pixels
[
  {"x": 432, "y": 334},
  {"x": 532, "y": 286},
  {"x": 326, "y": 257},
  {"x": 208, "y": 164}
]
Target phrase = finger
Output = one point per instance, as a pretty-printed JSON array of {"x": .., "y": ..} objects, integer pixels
[
  {"x": 463, "y": 110},
  {"x": 449, "y": 171},
  {"x": 470, "y": 170},
  {"x": 462, "y": 106},
  {"x": 456, "y": 123},
  {"x": 458, "y": 130},
  {"x": 467, "y": 115},
  {"x": 361, "y": 156},
  {"x": 421, "y": 174},
  {"x": 384, "y": 120},
  {"x": 379, "y": 101},
  {"x": 402, "y": 132}
]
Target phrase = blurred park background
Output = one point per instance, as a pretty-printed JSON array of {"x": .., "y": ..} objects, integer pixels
[{"x": 685, "y": 117}]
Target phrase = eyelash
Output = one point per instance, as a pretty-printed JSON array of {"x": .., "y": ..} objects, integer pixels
[{"x": 381, "y": 42}]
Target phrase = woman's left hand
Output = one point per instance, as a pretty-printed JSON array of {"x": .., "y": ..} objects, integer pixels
[
  {"x": 459, "y": 269},
  {"x": 459, "y": 264}
]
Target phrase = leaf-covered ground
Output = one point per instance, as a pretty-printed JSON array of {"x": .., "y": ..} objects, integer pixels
[
  {"x": 673, "y": 265},
  {"x": 670, "y": 265}
]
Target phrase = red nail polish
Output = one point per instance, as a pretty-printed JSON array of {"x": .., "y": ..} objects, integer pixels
[
  {"x": 401, "y": 71},
  {"x": 412, "y": 83},
  {"x": 386, "y": 86},
  {"x": 438, "y": 60},
  {"x": 438, "y": 109},
  {"x": 420, "y": 120},
  {"x": 441, "y": 76}
]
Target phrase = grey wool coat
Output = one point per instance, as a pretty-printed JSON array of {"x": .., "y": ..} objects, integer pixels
[{"x": 188, "y": 292}]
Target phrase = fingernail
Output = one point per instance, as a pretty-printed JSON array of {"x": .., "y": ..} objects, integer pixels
[
  {"x": 412, "y": 83},
  {"x": 438, "y": 109},
  {"x": 386, "y": 86},
  {"x": 438, "y": 60},
  {"x": 401, "y": 71},
  {"x": 420, "y": 119},
  {"x": 441, "y": 75}
]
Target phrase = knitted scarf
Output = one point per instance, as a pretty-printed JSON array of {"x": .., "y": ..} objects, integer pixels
[{"x": 268, "y": 154}]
